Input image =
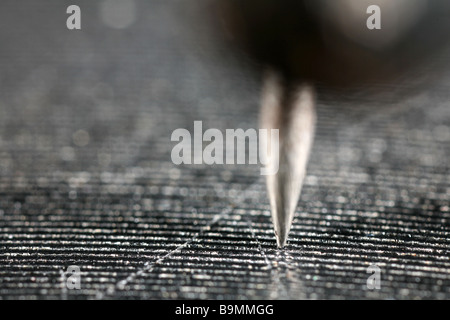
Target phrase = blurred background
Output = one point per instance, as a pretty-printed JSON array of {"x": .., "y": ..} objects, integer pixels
[{"x": 86, "y": 177}]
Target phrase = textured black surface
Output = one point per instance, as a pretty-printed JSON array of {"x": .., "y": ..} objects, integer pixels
[{"x": 86, "y": 176}]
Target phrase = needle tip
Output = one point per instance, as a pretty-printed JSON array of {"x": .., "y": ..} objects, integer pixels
[
  {"x": 281, "y": 240},
  {"x": 292, "y": 112}
]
